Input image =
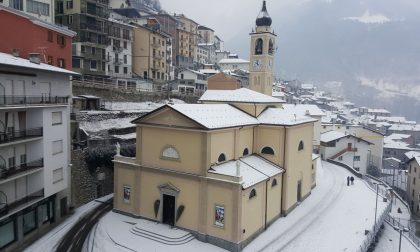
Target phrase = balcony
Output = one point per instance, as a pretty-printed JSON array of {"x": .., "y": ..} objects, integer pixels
[
  {"x": 6, "y": 173},
  {"x": 14, "y": 136},
  {"x": 92, "y": 27},
  {"x": 157, "y": 56},
  {"x": 32, "y": 100},
  {"x": 155, "y": 45},
  {"x": 8, "y": 209}
]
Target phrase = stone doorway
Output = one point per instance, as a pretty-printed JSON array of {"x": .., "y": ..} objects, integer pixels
[{"x": 168, "y": 213}]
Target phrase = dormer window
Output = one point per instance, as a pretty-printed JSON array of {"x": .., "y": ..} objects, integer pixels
[
  {"x": 221, "y": 158},
  {"x": 267, "y": 150}
]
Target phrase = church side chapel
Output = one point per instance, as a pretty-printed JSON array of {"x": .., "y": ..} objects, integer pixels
[{"x": 223, "y": 169}]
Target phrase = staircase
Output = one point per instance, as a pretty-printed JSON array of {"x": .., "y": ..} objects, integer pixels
[
  {"x": 338, "y": 154},
  {"x": 162, "y": 234}
]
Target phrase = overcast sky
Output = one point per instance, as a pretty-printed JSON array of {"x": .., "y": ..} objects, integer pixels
[{"x": 226, "y": 17}]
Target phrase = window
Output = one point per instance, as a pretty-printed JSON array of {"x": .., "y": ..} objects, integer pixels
[
  {"x": 252, "y": 194},
  {"x": 12, "y": 162},
  {"x": 57, "y": 118},
  {"x": 37, "y": 7},
  {"x": 274, "y": 183},
  {"x": 267, "y": 150},
  {"x": 57, "y": 175},
  {"x": 29, "y": 222},
  {"x": 170, "y": 152},
  {"x": 117, "y": 69},
  {"x": 50, "y": 36},
  {"x": 414, "y": 181},
  {"x": 61, "y": 40},
  {"x": 50, "y": 60},
  {"x": 246, "y": 152},
  {"x": 271, "y": 47},
  {"x": 356, "y": 158},
  {"x": 93, "y": 65},
  {"x": 125, "y": 44},
  {"x": 23, "y": 159},
  {"x": 258, "y": 46},
  {"x": 75, "y": 63},
  {"x": 16, "y": 4},
  {"x": 82, "y": 49},
  {"x": 125, "y": 59},
  {"x": 70, "y": 19},
  {"x": 69, "y": 4},
  {"x": 221, "y": 158},
  {"x": 301, "y": 145},
  {"x": 7, "y": 234},
  {"x": 61, "y": 63},
  {"x": 45, "y": 213},
  {"x": 125, "y": 70},
  {"x": 57, "y": 147},
  {"x": 93, "y": 50}
]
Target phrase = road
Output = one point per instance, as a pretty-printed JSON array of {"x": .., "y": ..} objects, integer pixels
[{"x": 74, "y": 239}]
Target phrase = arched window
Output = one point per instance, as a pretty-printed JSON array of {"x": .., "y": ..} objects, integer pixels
[
  {"x": 258, "y": 46},
  {"x": 271, "y": 47},
  {"x": 301, "y": 145},
  {"x": 246, "y": 152},
  {"x": 169, "y": 152},
  {"x": 274, "y": 183},
  {"x": 252, "y": 194},
  {"x": 267, "y": 150},
  {"x": 221, "y": 158}
]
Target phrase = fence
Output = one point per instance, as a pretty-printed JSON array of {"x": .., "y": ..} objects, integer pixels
[{"x": 411, "y": 235}]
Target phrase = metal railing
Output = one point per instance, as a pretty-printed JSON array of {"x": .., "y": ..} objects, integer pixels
[
  {"x": 11, "y": 136},
  {"x": 5, "y": 208},
  {"x": 32, "y": 100},
  {"x": 8, "y": 172}
]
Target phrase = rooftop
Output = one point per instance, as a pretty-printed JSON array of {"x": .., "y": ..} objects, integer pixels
[
  {"x": 10, "y": 60},
  {"x": 302, "y": 109},
  {"x": 233, "y": 61},
  {"x": 331, "y": 136},
  {"x": 242, "y": 95},
  {"x": 279, "y": 116}
]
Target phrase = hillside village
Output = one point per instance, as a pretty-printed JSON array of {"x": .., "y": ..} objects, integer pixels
[{"x": 129, "y": 127}]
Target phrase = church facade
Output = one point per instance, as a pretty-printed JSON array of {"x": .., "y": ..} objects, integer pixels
[{"x": 223, "y": 169}]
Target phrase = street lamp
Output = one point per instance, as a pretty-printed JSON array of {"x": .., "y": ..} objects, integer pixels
[{"x": 401, "y": 230}]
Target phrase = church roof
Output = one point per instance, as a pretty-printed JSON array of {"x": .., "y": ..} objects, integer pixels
[
  {"x": 253, "y": 170},
  {"x": 242, "y": 95},
  {"x": 286, "y": 117}
]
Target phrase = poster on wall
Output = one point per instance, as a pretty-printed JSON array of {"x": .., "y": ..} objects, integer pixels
[
  {"x": 127, "y": 193},
  {"x": 219, "y": 218}
]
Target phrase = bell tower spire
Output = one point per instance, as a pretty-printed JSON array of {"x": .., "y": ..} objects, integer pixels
[{"x": 262, "y": 53}]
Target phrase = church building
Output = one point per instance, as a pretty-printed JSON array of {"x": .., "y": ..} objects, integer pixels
[{"x": 223, "y": 169}]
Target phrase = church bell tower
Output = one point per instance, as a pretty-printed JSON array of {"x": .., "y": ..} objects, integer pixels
[{"x": 262, "y": 54}]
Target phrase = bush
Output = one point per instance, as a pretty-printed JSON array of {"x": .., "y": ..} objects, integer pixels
[{"x": 103, "y": 156}]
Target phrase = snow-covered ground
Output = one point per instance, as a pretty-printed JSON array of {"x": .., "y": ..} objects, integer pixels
[
  {"x": 138, "y": 106},
  {"x": 51, "y": 239},
  {"x": 333, "y": 218},
  {"x": 117, "y": 123},
  {"x": 389, "y": 241}
]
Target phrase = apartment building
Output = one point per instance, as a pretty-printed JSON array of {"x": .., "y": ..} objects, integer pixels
[
  {"x": 51, "y": 42},
  {"x": 34, "y": 148},
  {"x": 41, "y": 9},
  {"x": 150, "y": 53},
  {"x": 413, "y": 188},
  {"x": 89, "y": 19},
  {"x": 186, "y": 42}
]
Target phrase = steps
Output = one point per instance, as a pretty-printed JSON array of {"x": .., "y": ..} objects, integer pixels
[{"x": 162, "y": 234}]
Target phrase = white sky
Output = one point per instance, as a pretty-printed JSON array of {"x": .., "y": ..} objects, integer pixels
[{"x": 226, "y": 17}]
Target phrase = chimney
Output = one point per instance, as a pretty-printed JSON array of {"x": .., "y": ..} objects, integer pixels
[
  {"x": 307, "y": 113},
  {"x": 16, "y": 52},
  {"x": 238, "y": 170},
  {"x": 34, "y": 58}
]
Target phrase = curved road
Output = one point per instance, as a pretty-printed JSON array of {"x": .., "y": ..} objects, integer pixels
[{"x": 74, "y": 239}]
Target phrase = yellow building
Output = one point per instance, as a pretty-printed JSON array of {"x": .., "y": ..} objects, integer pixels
[
  {"x": 187, "y": 40},
  {"x": 149, "y": 53},
  {"x": 224, "y": 169}
]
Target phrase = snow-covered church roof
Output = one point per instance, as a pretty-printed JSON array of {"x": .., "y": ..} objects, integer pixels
[{"x": 242, "y": 95}]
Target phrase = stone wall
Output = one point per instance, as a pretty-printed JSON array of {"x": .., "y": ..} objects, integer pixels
[{"x": 87, "y": 186}]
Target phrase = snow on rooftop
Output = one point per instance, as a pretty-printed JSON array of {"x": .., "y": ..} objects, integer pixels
[
  {"x": 412, "y": 154},
  {"x": 279, "y": 116},
  {"x": 331, "y": 136},
  {"x": 126, "y": 136},
  {"x": 313, "y": 110},
  {"x": 233, "y": 61},
  {"x": 253, "y": 170},
  {"x": 213, "y": 116},
  {"x": 396, "y": 137},
  {"x": 242, "y": 95},
  {"x": 97, "y": 126},
  {"x": 397, "y": 145},
  {"x": 10, "y": 60},
  {"x": 405, "y": 127}
]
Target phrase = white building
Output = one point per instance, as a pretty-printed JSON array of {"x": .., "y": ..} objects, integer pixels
[
  {"x": 34, "y": 148},
  {"x": 234, "y": 64},
  {"x": 42, "y": 9},
  {"x": 347, "y": 149},
  {"x": 190, "y": 81}
]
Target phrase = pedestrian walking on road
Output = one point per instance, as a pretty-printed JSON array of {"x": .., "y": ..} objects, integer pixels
[
  {"x": 352, "y": 180},
  {"x": 348, "y": 180}
]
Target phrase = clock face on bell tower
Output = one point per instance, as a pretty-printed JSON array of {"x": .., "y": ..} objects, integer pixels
[{"x": 262, "y": 54}]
